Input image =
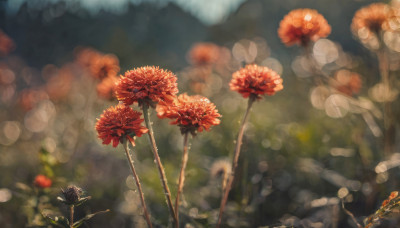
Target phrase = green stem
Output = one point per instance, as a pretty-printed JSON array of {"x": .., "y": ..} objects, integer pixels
[
  {"x": 139, "y": 186},
  {"x": 235, "y": 161},
  {"x": 185, "y": 157},
  {"x": 157, "y": 160}
]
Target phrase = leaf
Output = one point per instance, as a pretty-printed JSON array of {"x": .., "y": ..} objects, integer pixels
[
  {"x": 59, "y": 221},
  {"x": 87, "y": 217},
  {"x": 82, "y": 200}
]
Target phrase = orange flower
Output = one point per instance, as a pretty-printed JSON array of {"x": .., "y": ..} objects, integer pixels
[
  {"x": 203, "y": 54},
  {"x": 393, "y": 195},
  {"x": 6, "y": 44},
  {"x": 347, "y": 82},
  {"x": 119, "y": 122},
  {"x": 59, "y": 86},
  {"x": 85, "y": 56},
  {"x": 104, "y": 66},
  {"x": 29, "y": 98},
  {"x": 190, "y": 113},
  {"x": 106, "y": 88},
  {"x": 42, "y": 181},
  {"x": 255, "y": 81},
  {"x": 148, "y": 85},
  {"x": 371, "y": 20},
  {"x": 301, "y": 26}
]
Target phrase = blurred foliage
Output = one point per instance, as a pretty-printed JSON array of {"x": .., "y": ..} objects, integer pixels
[{"x": 299, "y": 158}]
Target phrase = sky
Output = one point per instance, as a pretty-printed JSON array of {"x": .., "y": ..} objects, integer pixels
[{"x": 209, "y": 12}]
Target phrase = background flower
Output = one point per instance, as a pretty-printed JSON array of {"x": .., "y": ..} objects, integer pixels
[
  {"x": 254, "y": 80},
  {"x": 301, "y": 26}
]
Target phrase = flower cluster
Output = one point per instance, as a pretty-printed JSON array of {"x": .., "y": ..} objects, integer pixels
[
  {"x": 119, "y": 122},
  {"x": 301, "y": 26},
  {"x": 190, "y": 113},
  {"x": 41, "y": 181},
  {"x": 254, "y": 81},
  {"x": 147, "y": 85}
]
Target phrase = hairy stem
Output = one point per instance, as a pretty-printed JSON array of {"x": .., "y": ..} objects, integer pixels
[
  {"x": 160, "y": 167},
  {"x": 71, "y": 216},
  {"x": 235, "y": 160},
  {"x": 139, "y": 186},
  {"x": 185, "y": 157}
]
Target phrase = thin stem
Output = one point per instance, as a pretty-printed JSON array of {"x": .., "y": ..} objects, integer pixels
[
  {"x": 160, "y": 167},
  {"x": 351, "y": 216},
  {"x": 185, "y": 157},
  {"x": 235, "y": 161},
  {"x": 389, "y": 126},
  {"x": 139, "y": 186},
  {"x": 71, "y": 216}
]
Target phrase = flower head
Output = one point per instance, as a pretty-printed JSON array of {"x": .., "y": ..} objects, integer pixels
[
  {"x": 255, "y": 81},
  {"x": 190, "y": 113},
  {"x": 301, "y": 26},
  {"x": 347, "y": 82},
  {"x": 42, "y": 181},
  {"x": 369, "y": 21},
  {"x": 104, "y": 66},
  {"x": 106, "y": 88},
  {"x": 6, "y": 44},
  {"x": 204, "y": 54},
  {"x": 148, "y": 85},
  {"x": 72, "y": 194},
  {"x": 119, "y": 122}
]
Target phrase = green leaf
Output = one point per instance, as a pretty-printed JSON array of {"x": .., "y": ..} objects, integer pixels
[
  {"x": 87, "y": 217},
  {"x": 59, "y": 221}
]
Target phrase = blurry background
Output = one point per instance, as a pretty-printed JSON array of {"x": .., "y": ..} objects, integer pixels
[{"x": 301, "y": 154}]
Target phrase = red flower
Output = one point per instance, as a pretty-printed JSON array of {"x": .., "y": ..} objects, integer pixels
[
  {"x": 104, "y": 66},
  {"x": 255, "y": 81},
  {"x": 6, "y": 44},
  {"x": 204, "y": 54},
  {"x": 119, "y": 122},
  {"x": 148, "y": 85},
  {"x": 301, "y": 26},
  {"x": 347, "y": 82},
  {"x": 190, "y": 113},
  {"x": 370, "y": 20},
  {"x": 42, "y": 181}
]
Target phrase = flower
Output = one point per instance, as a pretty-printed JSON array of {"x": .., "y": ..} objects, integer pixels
[
  {"x": 190, "y": 113},
  {"x": 72, "y": 194},
  {"x": 42, "y": 181},
  {"x": 29, "y": 98},
  {"x": 347, "y": 82},
  {"x": 106, "y": 88},
  {"x": 369, "y": 21},
  {"x": 119, "y": 122},
  {"x": 301, "y": 26},
  {"x": 86, "y": 56},
  {"x": 6, "y": 44},
  {"x": 254, "y": 81},
  {"x": 148, "y": 85},
  {"x": 203, "y": 54},
  {"x": 104, "y": 66},
  {"x": 59, "y": 86}
]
